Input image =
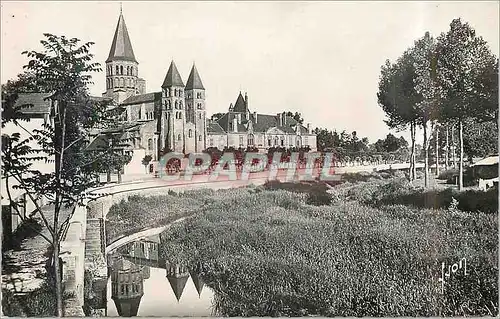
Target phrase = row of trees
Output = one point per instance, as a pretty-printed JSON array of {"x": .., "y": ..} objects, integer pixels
[
  {"x": 63, "y": 69},
  {"x": 441, "y": 84}
]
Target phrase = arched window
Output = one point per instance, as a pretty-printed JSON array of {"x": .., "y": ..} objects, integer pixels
[
  {"x": 121, "y": 69},
  {"x": 117, "y": 70},
  {"x": 176, "y": 104},
  {"x": 190, "y": 133},
  {"x": 151, "y": 115},
  {"x": 250, "y": 139},
  {"x": 199, "y": 138},
  {"x": 180, "y": 105},
  {"x": 122, "y": 82},
  {"x": 200, "y": 116},
  {"x": 169, "y": 104},
  {"x": 179, "y": 137},
  {"x": 131, "y": 70},
  {"x": 298, "y": 141},
  {"x": 180, "y": 115},
  {"x": 150, "y": 144}
]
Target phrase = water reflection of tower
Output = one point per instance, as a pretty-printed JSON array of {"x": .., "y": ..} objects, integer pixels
[
  {"x": 198, "y": 282},
  {"x": 127, "y": 287},
  {"x": 177, "y": 276}
]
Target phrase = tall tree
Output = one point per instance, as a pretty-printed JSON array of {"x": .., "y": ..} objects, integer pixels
[
  {"x": 398, "y": 98},
  {"x": 425, "y": 63},
  {"x": 64, "y": 69},
  {"x": 464, "y": 62}
]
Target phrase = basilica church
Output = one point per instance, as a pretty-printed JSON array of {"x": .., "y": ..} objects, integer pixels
[{"x": 174, "y": 118}]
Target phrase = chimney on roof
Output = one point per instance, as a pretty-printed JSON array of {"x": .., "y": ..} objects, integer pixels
[
  {"x": 284, "y": 118},
  {"x": 255, "y": 117},
  {"x": 308, "y": 128},
  {"x": 235, "y": 125},
  {"x": 280, "y": 119},
  {"x": 246, "y": 101}
]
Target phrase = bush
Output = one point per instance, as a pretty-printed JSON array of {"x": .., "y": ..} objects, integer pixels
[
  {"x": 39, "y": 303},
  {"x": 346, "y": 259},
  {"x": 448, "y": 174}
]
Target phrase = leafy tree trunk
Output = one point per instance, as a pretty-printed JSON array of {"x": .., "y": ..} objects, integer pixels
[
  {"x": 437, "y": 151},
  {"x": 119, "y": 173},
  {"x": 461, "y": 163},
  {"x": 58, "y": 279},
  {"x": 412, "y": 172},
  {"x": 426, "y": 157},
  {"x": 453, "y": 152},
  {"x": 414, "y": 150},
  {"x": 58, "y": 205},
  {"x": 446, "y": 157}
]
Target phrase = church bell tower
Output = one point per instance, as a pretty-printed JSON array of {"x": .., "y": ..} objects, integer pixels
[{"x": 121, "y": 66}]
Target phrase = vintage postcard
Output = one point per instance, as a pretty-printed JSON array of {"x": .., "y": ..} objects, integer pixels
[{"x": 249, "y": 158}]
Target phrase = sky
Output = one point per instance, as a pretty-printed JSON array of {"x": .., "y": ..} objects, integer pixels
[{"x": 321, "y": 59}]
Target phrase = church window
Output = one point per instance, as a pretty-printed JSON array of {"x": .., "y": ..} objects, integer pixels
[
  {"x": 180, "y": 115},
  {"x": 180, "y": 105},
  {"x": 122, "y": 289},
  {"x": 175, "y": 92},
  {"x": 151, "y": 115},
  {"x": 190, "y": 133},
  {"x": 110, "y": 83},
  {"x": 199, "y": 106},
  {"x": 199, "y": 138},
  {"x": 122, "y": 82},
  {"x": 250, "y": 140},
  {"x": 179, "y": 137},
  {"x": 198, "y": 95},
  {"x": 176, "y": 105},
  {"x": 121, "y": 69},
  {"x": 200, "y": 116},
  {"x": 117, "y": 70},
  {"x": 116, "y": 83},
  {"x": 169, "y": 104}
]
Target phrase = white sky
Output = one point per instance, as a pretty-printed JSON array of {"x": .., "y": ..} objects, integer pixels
[{"x": 319, "y": 58}]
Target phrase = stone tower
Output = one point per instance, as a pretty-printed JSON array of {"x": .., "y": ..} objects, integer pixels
[
  {"x": 173, "y": 115},
  {"x": 121, "y": 66},
  {"x": 195, "y": 104},
  {"x": 177, "y": 276},
  {"x": 127, "y": 287}
]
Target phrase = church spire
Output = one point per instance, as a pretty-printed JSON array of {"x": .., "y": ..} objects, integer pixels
[
  {"x": 194, "y": 80},
  {"x": 121, "y": 48},
  {"x": 173, "y": 78}
]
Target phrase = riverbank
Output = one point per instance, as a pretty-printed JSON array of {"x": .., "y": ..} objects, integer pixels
[{"x": 274, "y": 253}]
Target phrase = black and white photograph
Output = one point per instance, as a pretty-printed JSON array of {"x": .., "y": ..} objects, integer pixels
[{"x": 249, "y": 158}]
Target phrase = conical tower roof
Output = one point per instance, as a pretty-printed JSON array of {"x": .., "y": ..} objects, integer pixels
[
  {"x": 198, "y": 282},
  {"x": 121, "y": 48},
  {"x": 178, "y": 283},
  {"x": 127, "y": 307},
  {"x": 173, "y": 77},
  {"x": 240, "y": 105},
  {"x": 194, "y": 80}
]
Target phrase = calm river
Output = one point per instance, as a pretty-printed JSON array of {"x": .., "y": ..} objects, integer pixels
[{"x": 140, "y": 284}]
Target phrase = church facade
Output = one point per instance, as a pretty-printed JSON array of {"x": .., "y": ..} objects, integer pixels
[{"x": 174, "y": 118}]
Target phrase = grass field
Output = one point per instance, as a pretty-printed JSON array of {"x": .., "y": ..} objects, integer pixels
[{"x": 274, "y": 252}]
